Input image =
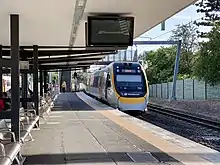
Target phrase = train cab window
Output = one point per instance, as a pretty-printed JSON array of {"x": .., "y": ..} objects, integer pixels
[{"x": 108, "y": 81}]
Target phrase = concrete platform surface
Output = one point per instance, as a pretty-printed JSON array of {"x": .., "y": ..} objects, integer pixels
[
  {"x": 180, "y": 148},
  {"x": 83, "y": 131},
  {"x": 86, "y": 137}
]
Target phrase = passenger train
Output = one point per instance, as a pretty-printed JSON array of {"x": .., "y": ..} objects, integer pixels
[{"x": 123, "y": 85}]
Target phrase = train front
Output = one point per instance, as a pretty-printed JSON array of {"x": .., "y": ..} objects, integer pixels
[{"x": 131, "y": 87}]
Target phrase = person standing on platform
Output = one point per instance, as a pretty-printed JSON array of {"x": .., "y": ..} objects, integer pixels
[
  {"x": 63, "y": 86},
  {"x": 75, "y": 75},
  {"x": 75, "y": 80}
]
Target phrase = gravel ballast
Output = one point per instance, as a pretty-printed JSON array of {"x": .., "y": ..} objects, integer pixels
[{"x": 207, "y": 108}]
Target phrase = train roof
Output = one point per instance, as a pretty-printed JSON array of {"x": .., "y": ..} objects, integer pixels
[{"x": 111, "y": 64}]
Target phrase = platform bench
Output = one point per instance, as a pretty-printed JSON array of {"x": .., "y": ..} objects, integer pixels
[
  {"x": 28, "y": 119},
  {"x": 10, "y": 150}
]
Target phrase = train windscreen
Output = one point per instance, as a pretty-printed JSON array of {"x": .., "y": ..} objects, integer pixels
[{"x": 129, "y": 80}]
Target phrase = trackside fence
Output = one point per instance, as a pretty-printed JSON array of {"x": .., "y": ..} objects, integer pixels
[{"x": 187, "y": 89}]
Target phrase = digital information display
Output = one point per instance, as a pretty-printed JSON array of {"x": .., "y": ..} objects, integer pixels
[
  {"x": 128, "y": 71},
  {"x": 110, "y": 31}
]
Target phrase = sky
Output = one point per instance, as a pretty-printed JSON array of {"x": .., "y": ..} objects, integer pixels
[
  {"x": 156, "y": 34},
  {"x": 183, "y": 17}
]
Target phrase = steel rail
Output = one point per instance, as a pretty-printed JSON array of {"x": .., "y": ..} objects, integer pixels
[{"x": 184, "y": 116}]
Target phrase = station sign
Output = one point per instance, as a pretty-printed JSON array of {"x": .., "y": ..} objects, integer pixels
[{"x": 24, "y": 65}]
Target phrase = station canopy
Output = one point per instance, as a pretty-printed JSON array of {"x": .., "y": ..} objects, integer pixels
[{"x": 59, "y": 23}]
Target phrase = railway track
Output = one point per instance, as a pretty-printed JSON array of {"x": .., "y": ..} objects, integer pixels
[
  {"x": 184, "y": 116},
  {"x": 178, "y": 115}
]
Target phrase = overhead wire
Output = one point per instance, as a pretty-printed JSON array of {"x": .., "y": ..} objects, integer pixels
[{"x": 152, "y": 38}]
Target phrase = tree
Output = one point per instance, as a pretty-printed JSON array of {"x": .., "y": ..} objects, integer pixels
[
  {"x": 186, "y": 33},
  {"x": 211, "y": 11},
  {"x": 160, "y": 64},
  {"x": 207, "y": 67}
]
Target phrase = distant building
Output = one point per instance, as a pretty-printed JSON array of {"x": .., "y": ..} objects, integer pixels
[{"x": 122, "y": 55}]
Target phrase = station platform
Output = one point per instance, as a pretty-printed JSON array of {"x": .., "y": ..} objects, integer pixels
[{"x": 81, "y": 130}]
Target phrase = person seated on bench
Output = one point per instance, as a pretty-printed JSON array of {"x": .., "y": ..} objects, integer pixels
[
  {"x": 2, "y": 103},
  {"x": 7, "y": 103}
]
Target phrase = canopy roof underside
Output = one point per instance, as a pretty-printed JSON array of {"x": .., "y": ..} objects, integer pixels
[{"x": 55, "y": 22}]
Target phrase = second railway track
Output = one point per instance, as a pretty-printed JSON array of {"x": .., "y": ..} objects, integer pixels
[{"x": 183, "y": 116}]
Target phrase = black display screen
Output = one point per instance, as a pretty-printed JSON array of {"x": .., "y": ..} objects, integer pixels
[{"x": 110, "y": 31}]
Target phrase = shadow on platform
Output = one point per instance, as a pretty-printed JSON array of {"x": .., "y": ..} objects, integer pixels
[
  {"x": 70, "y": 102},
  {"x": 112, "y": 157}
]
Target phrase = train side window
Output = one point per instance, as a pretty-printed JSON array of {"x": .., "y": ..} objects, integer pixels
[
  {"x": 95, "y": 81},
  {"x": 100, "y": 81}
]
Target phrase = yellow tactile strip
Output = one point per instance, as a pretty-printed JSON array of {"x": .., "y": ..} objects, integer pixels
[{"x": 171, "y": 149}]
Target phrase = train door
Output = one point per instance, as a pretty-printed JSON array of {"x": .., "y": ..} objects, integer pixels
[
  {"x": 100, "y": 82},
  {"x": 104, "y": 88},
  {"x": 108, "y": 86}
]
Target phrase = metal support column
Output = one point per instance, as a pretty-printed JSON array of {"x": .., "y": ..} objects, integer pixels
[
  {"x": 135, "y": 57},
  {"x": 15, "y": 71},
  {"x": 114, "y": 57},
  {"x": 45, "y": 81},
  {"x": 1, "y": 70},
  {"x": 50, "y": 77},
  {"x": 125, "y": 55},
  {"x": 41, "y": 83},
  {"x": 35, "y": 78},
  {"x": 176, "y": 70},
  {"x": 84, "y": 69},
  {"x": 24, "y": 89},
  {"x": 58, "y": 77}
]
